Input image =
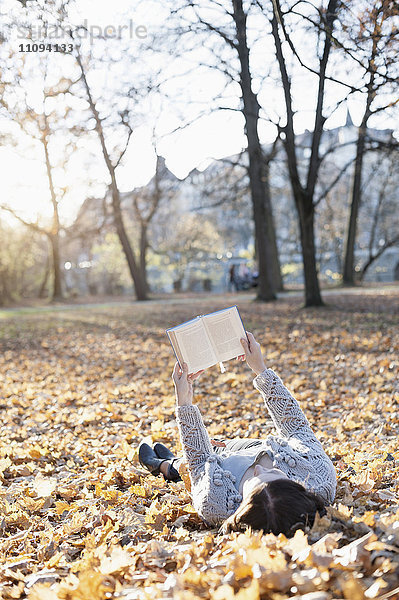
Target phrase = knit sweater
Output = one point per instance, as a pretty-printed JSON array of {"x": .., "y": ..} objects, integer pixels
[{"x": 295, "y": 450}]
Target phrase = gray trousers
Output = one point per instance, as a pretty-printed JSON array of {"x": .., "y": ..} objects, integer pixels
[{"x": 231, "y": 447}]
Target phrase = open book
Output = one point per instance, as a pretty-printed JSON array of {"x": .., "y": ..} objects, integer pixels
[{"x": 208, "y": 339}]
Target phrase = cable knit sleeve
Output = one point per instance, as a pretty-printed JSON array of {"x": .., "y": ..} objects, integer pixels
[
  {"x": 214, "y": 494},
  {"x": 284, "y": 410},
  {"x": 194, "y": 437},
  {"x": 303, "y": 457}
]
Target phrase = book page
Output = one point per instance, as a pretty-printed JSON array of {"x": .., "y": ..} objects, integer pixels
[
  {"x": 225, "y": 329},
  {"x": 175, "y": 345},
  {"x": 195, "y": 346}
]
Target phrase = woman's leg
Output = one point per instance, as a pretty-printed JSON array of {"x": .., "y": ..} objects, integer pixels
[
  {"x": 174, "y": 462},
  {"x": 164, "y": 468}
]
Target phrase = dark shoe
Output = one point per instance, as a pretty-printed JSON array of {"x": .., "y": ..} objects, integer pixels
[
  {"x": 173, "y": 474},
  {"x": 163, "y": 452},
  {"x": 149, "y": 460}
]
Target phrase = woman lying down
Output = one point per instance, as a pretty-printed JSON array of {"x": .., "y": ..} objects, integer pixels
[{"x": 276, "y": 484}]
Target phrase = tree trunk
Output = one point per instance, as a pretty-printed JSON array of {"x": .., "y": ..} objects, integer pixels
[
  {"x": 303, "y": 196},
  {"x": 258, "y": 174},
  {"x": 55, "y": 230},
  {"x": 139, "y": 284},
  {"x": 55, "y": 250},
  {"x": 265, "y": 289},
  {"x": 348, "y": 275},
  {"x": 143, "y": 255},
  {"x": 306, "y": 226}
]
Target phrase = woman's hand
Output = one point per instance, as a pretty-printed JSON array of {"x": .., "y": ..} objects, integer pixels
[
  {"x": 253, "y": 354},
  {"x": 184, "y": 384}
]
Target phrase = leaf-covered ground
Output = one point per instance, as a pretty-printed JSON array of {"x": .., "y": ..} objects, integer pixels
[{"x": 80, "y": 388}]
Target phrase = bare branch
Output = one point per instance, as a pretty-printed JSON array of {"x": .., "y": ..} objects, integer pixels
[
  {"x": 336, "y": 147},
  {"x": 130, "y": 131},
  {"x": 211, "y": 27},
  {"x": 346, "y": 50},
  {"x": 388, "y": 244},
  {"x": 33, "y": 226},
  {"x": 334, "y": 182},
  {"x": 280, "y": 19}
]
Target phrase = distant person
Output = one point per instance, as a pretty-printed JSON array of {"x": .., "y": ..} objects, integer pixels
[
  {"x": 233, "y": 284},
  {"x": 245, "y": 275},
  {"x": 255, "y": 277},
  {"x": 276, "y": 484}
]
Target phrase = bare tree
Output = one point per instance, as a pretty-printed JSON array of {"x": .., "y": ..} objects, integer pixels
[
  {"x": 234, "y": 36},
  {"x": 376, "y": 34},
  {"x": 382, "y": 212},
  {"x": 304, "y": 193},
  {"x": 112, "y": 164},
  {"x": 258, "y": 168},
  {"x": 146, "y": 203},
  {"x": 40, "y": 126}
]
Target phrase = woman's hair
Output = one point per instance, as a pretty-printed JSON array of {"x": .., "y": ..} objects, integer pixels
[{"x": 279, "y": 506}]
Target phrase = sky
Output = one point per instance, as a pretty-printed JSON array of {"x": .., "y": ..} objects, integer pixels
[{"x": 219, "y": 135}]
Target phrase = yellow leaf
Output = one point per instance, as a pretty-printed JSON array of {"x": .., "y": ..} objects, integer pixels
[
  {"x": 353, "y": 589},
  {"x": 4, "y": 464},
  {"x": 139, "y": 490},
  {"x": 364, "y": 481},
  {"x": 91, "y": 585},
  {"x": 118, "y": 560},
  {"x": 44, "y": 486},
  {"x": 41, "y": 591},
  {"x": 61, "y": 506},
  {"x": 55, "y": 560}
]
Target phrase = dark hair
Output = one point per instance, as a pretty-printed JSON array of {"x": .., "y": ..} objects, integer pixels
[{"x": 279, "y": 506}]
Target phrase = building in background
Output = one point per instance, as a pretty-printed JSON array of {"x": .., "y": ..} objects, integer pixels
[{"x": 203, "y": 224}]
